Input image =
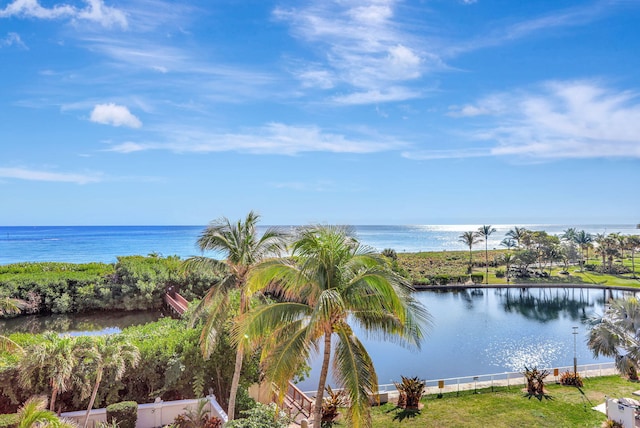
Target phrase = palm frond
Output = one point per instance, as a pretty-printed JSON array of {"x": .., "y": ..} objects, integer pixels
[{"x": 354, "y": 370}]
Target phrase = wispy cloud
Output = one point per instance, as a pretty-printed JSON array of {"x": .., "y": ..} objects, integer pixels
[
  {"x": 12, "y": 39},
  {"x": 538, "y": 26},
  {"x": 559, "y": 120},
  {"x": 116, "y": 115},
  {"x": 94, "y": 11},
  {"x": 273, "y": 138},
  {"x": 361, "y": 46},
  {"x": 36, "y": 175}
]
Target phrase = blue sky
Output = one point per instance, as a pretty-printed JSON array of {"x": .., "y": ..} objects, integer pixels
[{"x": 335, "y": 111}]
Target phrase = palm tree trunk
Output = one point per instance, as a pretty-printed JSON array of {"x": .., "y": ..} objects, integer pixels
[
  {"x": 317, "y": 410},
  {"x": 93, "y": 396},
  {"x": 486, "y": 258},
  {"x": 235, "y": 381},
  {"x": 54, "y": 394}
]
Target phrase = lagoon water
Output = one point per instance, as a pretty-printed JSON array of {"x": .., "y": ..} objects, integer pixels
[
  {"x": 490, "y": 331},
  {"x": 81, "y": 244}
]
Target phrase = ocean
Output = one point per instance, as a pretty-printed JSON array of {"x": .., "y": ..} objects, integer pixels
[{"x": 82, "y": 244}]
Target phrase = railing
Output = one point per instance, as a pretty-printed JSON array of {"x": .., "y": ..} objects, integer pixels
[
  {"x": 300, "y": 399},
  {"x": 176, "y": 302},
  {"x": 294, "y": 400},
  {"x": 506, "y": 379}
]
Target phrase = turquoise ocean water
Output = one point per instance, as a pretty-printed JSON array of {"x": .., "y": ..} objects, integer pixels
[{"x": 81, "y": 244}]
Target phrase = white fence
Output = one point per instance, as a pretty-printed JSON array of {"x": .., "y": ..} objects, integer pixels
[
  {"x": 507, "y": 379},
  {"x": 152, "y": 415}
]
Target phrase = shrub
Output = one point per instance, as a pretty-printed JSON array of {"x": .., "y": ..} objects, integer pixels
[
  {"x": 610, "y": 423},
  {"x": 477, "y": 278},
  {"x": 390, "y": 253},
  {"x": 124, "y": 413},
  {"x": 411, "y": 390},
  {"x": 330, "y": 407},
  {"x": 9, "y": 420},
  {"x": 440, "y": 279},
  {"x": 571, "y": 379},
  {"x": 198, "y": 418},
  {"x": 261, "y": 416},
  {"x": 499, "y": 273}
]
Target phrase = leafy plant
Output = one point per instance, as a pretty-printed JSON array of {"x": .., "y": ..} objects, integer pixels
[
  {"x": 610, "y": 423},
  {"x": 261, "y": 416},
  {"x": 197, "y": 418},
  {"x": 535, "y": 382},
  {"x": 124, "y": 413},
  {"x": 411, "y": 390},
  {"x": 571, "y": 379},
  {"x": 330, "y": 406}
]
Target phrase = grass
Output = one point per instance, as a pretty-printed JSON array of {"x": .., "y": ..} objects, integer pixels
[{"x": 567, "y": 407}]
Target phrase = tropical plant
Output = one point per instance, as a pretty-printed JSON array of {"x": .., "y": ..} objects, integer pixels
[
  {"x": 53, "y": 359},
  {"x": 469, "y": 239},
  {"x": 483, "y": 233},
  {"x": 571, "y": 379},
  {"x": 520, "y": 235},
  {"x": 508, "y": 243},
  {"x": 33, "y": 414},
  {"x": 615, "y": 335},
  {"x": 508, "y": 259},
  {"x": 583, "y": 240},
  {"x": 330, "y": 405},
  {"x": 610, "y": 423},
  {"x": 411, "y": 390},
  {"x": 113, "y": 354},
  {"x": 244, "y": 249},
  {"x": 535, "y": 382},
  {"x": 10, "y": 306},
  {"x": 569, "y": 235},
  {"x": 261, "y": 416},
  {"x": 390, "y": 253},
  {"x": 198, "y": 417},
  {"x": 634, "y": 244},
  {"x": 330, "y": 283}
]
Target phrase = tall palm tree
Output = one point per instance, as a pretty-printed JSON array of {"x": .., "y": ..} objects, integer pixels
[
  {"x": 114, "y": 354},
  {"x": 53, "y": 359},
  {"x": 508, "y": 259},
  {"x": 583, "y": 239},
  {"x": 634, "y": 245},
  {"x": 483, "y": 233},
  {"x": 469, "y": 239},
  {"x": 508, "y": 243},
  {"x": 615, "y": 334},
  {"x": 569, "y": 235},
  {"x": 244, "y": 249},
  {"x": 330, "y": 283},
  {"x": 519, "y": 234}
]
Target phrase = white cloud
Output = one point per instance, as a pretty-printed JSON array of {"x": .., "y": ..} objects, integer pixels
[
  {"x": 377, "y": 96},
  {"x": 362, "y": 45},
  {"x": 273, "y": 138},
  {"x": 112, "y": 114},
  {"x": 95, "y": 11},
  {"x": 12, "y": 39},
  {"x": 561, "y": 120},
  {"x": 34, "y": 175}
]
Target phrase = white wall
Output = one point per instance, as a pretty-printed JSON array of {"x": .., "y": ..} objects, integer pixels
[{"x": 155, "y": 414}]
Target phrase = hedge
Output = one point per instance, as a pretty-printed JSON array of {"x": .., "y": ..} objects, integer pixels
[{"x": 125, "y": 414}]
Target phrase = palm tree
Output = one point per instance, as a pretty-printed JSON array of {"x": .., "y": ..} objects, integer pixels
[
  {"x": 469, "y": 239},
  {"x": 508, "y": 243},
  {"x": 33, "y": 414},
  {"x": 634, "y": 245},
  {"x": 508, "y": 259},
  {"x": 615, "y": 334},
  {"x": 330, "y": 283},
  {"x": 569, "y": 235},
  {"x": 112, "y": 354},
  {"x": 519, "y": 234},
  {"x": 53, "y": 359},
  {"x": 583, "y": 239},
  {"x": 483, "y": 233},
  {"x": 244, "y": 249}
]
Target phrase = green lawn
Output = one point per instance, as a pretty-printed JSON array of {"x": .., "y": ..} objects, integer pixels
[{"x": 567, "y": 407}]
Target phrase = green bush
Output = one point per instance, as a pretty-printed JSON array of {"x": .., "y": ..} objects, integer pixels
[
  {"x": 124, "y": 413},
  {"x": 261, "y": 416},
  {"x": 9, "y": 420},
  {"x": 477, "y": 278},
  {"x": 499, "y": 273}
]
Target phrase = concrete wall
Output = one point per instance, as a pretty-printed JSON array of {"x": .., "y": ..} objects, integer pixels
[{"x": 153, "y": 415}]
